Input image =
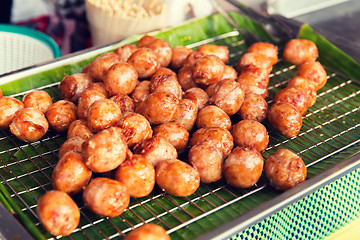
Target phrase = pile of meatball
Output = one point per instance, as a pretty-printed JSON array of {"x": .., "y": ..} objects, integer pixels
[{"x": 132, "y": 112}]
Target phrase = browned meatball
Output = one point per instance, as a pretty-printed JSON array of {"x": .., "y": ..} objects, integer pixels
[
  {"x": 29, "y": 125},
  {"x": 105, "y": 150},
  {"x": 249, "y": 133},
  {"x": 163, "y": 51},
  {"x": 37, "y": 99},
  {"x": 70, "y": 174},
  {"x": 135, "y": 127},
  {"x": 243, "y": 167},
  {"x": 106, "y": 197},
  {"x": 256, "y": 59},
  {"x": 61, "y": 114},
  {"x": 177, "y": 177},
  {"x": 192, "y": 59},
  {"x": 198, "y": 96},
  {"x": 163, "y": 71},
  {"x": 158, "y": 108},
  {"x": 186, "y": 114},
  {"x": 138, "y": 175},
  {"x": 285, "y": 118},
  {"x": 121, "y": 78},
  {"x": 148, "y": 231},
  {"x": 58, "y": 213},
  {"x": 86, "y": 99},
  {"x": 229, "y": 73},
  {"x": 141, "y": 92},
  {"x": 102, "y": 114},
  {"x": 9, "y": 107},
  {"x": 298, "y": 51},
  {"x": 175, "y": 133},
  {"x": 71, "y": 144},
  {"x": 294, "y": 96},
  {"x": 207, "y": 159},
  {"x": 72, "y": 86},
  {"x": 208, "y": 69},
  {"x": 185, "y": 78},
  {"x": 145, "y": 40},
  {"x": 99, "y": 86},
  {"x": 220, "y": 51},
  {"x": 227, "y": 95},
  {"x": 179, "y": 54},
  {"x": 254, "y": 108},
  {"x": 79, "y": 128},
  {"x": 254, "y": 80},
  {"x": 305, "y": 85},
  {"x": 145, "y": 62},
  {"x": 313, "y": 71},
  {"x": 86, "y": 69},
  {"x": 124, "y": 52},
  {"x": 166, "y": 83},
  {"x": 267, "y": 49},
  {"x": 213, "y": 116},
  {"x": 125, "y": 103},
  {"x": 101, "y": 64},
  {"x": 284, "y": 169}
]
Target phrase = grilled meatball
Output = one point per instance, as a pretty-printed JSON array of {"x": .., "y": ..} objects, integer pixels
[
  {"x": 305, "y": 85},
  {"x": 9, "y": 107},
  {"x": 124, "y": 52},
  {"x": 102, "y": 114},
  {"x": 79, "y": 128},
  {"x": 254, "y": 108},
  {"x": 267, "y": 49},
  {"x": 105, "y": 150},
  {"x": 198, "y": 96},
  {"x": 284, "y": 169},
  {"x": 229, "y": 73},
  {"x": 220, "y": 51},
  {"x": 313, "y": 71},
  {"x": 254, "y": 80},
  {"x": 138, "y": 175},
  {"x": 121, "y": 78},
  {"x": 213, "y": 116},
  {"x": 208, "y": 69},
  {"x": 145, "y": 40},
  {"x": 86, "y": 99},
  {"x": 256, "y": 59},
  {"x": 70, "y": 174},
  {"x": 125, "y": 103},
  {"x": 298, "y": 51},
  {"x": 101, "y": 64},
  {"x": 285, "y": 118},
  {"x": 177, "y": 177},
  {"x": 293, "y": 96},
  {"x": 141, "y": 92},
  {"x": 61, "y": 114},
  {"x": 179, "y": 54},
  {"x": 37, "y": 99},
  {"x": 186, "y": 79},
  {"x": 192, "y": 59},
  {"x": 163, "y": 51},
  {"x": 175, "y": 133},
  {"x": 186, "y": 114},
  {"x": 71, "y": 144},
  {"x": 243, "y": 167},
  {"x": 58, "y": 213},
  {"x": 145, "y": 62},
  {"x": 106, "y": 197},
  {"x": 29, "y": 125},
  {"x": 249, "y": 133},
  {"x": 148, "y": 231},
  {"x": 72, "y": 86},
  {"x": 163, "y": 71},
  {"x": 166, "y": 83}
]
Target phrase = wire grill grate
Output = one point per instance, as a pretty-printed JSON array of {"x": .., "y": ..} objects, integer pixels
[{"x": 330, "y": 126}]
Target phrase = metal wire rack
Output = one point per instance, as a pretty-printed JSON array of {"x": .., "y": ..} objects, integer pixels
[{"x": 329, "y": 127}]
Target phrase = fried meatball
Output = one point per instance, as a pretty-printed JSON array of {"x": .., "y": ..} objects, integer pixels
[
  {"x": 177, "y": 177},
  {"x": 125, "y": 103},
  {"x": 213, "y": 116},
  {"x": 37, "y": 99},
  {"x": 254, "y": 80},
  {"x": 86, "y": 99},
  {"x": 186, "y": 114},
  {"x": 254, "y": 108},
  {"x": 58, "y": 213},
  {"x": 192, "y": 59},
  {"x": 71, "y": 144},
  {"x": 185, "y": 78},
  {"x": 72, "y": 86},
  {"x": 121, "y": 78},
  {"x": 148, "y": 231},
  {"x": 125, "y": 51},
  {"x": 298, "y": 51},
  {"x": 175, "y": 133},
  {"x": 285, "y": 118},
  {"x": 29, "y": 125},
  {"x": 198, "y": 96},
  {"x": 208, "y": 69},
  {"x": 163, "y": 71},
  {"x": 256, "y": 59},
  {"x": 138, "y": 175},
  {"x": 145, "y": 40},
  {"x": 145, "y": 62},
  {"x": 294, "y": 96},
  {"x": 141, "y": 92},
  {"x": 159, "y": 107},
  {"x": 250, "y": 133},
  {"x": 163, "y": 51},
  {"x": 179, "y": 54},
  {"x": 106, "y": 197},
  {"x": 135, "y": 127},
  {"x": 101, "y": 64},
  {"x": 267, "y": 49},
  {"x": 243, "y": 167},
  {"x": 284, "y": 169},
  {"x": 105, "y": 150},
  {"x": 220, "y": 51},
  {"x": 305, "y": 85},
  {"x": 229, "y": 73},
  {"x": 61, "y": 114},
  {"x": 227, "y": 95},
  {"x": 70, "y": 174},
  {"x": 79, "y": 128},
  {"x": 102, "y": 114},
  {"x": 166, "y": 83},
  {"x": 9, "y": 107},
  {"x": 99, "y": 86},
  {"x": 313, "y": 71}
]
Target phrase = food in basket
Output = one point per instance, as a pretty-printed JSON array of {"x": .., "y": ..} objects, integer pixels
[
  {"x": 148, "y": 231},
  {"x": 179, "y": 54},
  {"x": 125, "y": 103},
  {"x": 145, "y": 62},
  {"x": 72, "y": 86},
  {"x": 9, "y": 107},
  {"x": 220, "y": 51},
  {"x": 37, "y": 99},
  {"x": 208, "y": 70},
  {"x": 121, "y": 78},
  {"x": 71, "y": 144},
  {"x": 284, "y": 169},
  {"x": 79, "y": 128},
  {"x": 175, "y": 133},
  {"x": 313, "y": 71},
  {"x": 61, "y": 114},
  {"x": 213, "y": 116},
  {"x": 298, "y": 51},
  {"x": 305, "y": 85},
  {"x": 294, "y": 96},
  {"x": 198, "y": 96},
  {"x": 267, "y": 49},
  {"x": 254, "y": 108},
  {"x": 58, "y": 213},
  {"x": 101, "y": 64}
]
